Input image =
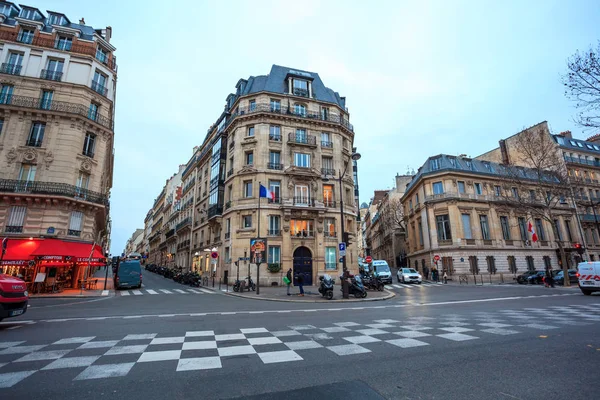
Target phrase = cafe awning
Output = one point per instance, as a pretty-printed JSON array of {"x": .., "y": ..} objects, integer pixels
[{"x": 18, "y": 251}]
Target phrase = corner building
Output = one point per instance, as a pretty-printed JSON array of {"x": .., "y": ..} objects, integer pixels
[
  {"x": 290, "y": 133},
  {"x": 57, "y": 91}
]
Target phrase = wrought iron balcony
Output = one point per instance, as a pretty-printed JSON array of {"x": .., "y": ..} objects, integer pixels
[
  {"x": 72, "y": 232},
  {"x": 58, "y": 106},
  {"x": 329, "y": 203},
  {"x": 34, "y": 143},
  {"x": 51, "y": 75},
  {"x": 13, "y": 229},
  {"x": 51, "y": 43},
  {"x": 330, "y": 234},
  {"x": 275, "y": 137},
  {"x": 186, "y": 222},
  {"x": 52, "y": 188},
  {"x": 276, "y": 166},
  {"x": 230, "y": 172},
  {"x": 11, "y": 69},
  {"x": 88, "y": 153},
  {"x": 274, "y": 232},
  {"x": 170, "y": 233},
  {"x": 300, "y": 92},
  {"x": 309, "y": 140},
  {"x": 227, "y": 235},
  {"x": 276, "y": 200},
  {"x": 326, "y": 144},
  {"x": 302, "y": 234},
  {"x": 327, "y": 171},
  {"x": 303, "y": 201},
  {"x": 99, "y": 88}
]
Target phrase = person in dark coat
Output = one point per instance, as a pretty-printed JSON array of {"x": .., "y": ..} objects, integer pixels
[
  {"x": 289, "y": 278},
  {"x": 548, "y": 279},
  {"x": 300, "y": 282}
]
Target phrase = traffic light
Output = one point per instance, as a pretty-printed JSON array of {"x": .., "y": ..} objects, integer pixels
[
  {"x": 579, "y": 248},
  {"x": 346, "y": 238}
]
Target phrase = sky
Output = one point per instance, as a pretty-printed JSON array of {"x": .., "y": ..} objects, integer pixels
[{"x": 420, "y": 77}]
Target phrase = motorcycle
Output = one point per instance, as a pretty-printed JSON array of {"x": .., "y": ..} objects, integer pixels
[
  {"x": 373, "y": 282},
  {"x": 356, "y": 287},
  {"x": 326, "y": 287},
  {"x": 238, "y": 284}
]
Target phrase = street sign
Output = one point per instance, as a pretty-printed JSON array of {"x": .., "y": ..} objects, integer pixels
[
  {"x": 342, "y": 246},
  {"x": 341, "y": 259},
  {"x": 244, "y": 259},
  {"x": 214, "y": 254},
  {"x": 369, "y": 259},
  {"x": 436, "y": 258}
]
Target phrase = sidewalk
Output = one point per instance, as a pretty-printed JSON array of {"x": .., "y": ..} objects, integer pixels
[
  {"x": 311, "y": 295},
  {"x": 78, "y": 293}
]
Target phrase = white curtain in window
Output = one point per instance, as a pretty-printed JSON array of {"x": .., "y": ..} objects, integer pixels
[
  {"x": 17, "y": 216},
  {"x": 76, "y": 221}
]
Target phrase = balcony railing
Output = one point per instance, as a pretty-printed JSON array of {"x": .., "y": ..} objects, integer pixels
[
  {"x": 327, "y": 171},
  {"x": 309, "y": 140},
  {"x": 227, "y": 235},
  {"x": 88, "y": 153},
  {"x": 300, "y": 92},
  {"x": 329, "y": 203},
  {"x": 274, "y": 232},
  {"x": 276, "y": 166},
  {"x": 50, "y": 43},
  {"x": 303, "y": 201},
  {"x": 230, "y": 172},
  {"x": 51, "y": 188},
  {"x": 330, "y": 234},
  {"x": 576, "y": 160},
  {"x": 302, "y": 234},
  {"x": 275, "y": 137},
  {"x": 170, "y": 233},
  {"x": 11, "y": 69},
  {"x": 275, "y": 200},
  {"x": 326, "y": 144},
  {"x": 51, "y": 75},
  {"x": 99, "y": 88},
  {"x": 58, "y": 106},
  {"x": 34, "y": 143},
  {"x": 186, "y": 222},
  {"x": 227, "y": 205},
  {"x": 14, "y": 229},
  {"x": 72, "y": 232}
]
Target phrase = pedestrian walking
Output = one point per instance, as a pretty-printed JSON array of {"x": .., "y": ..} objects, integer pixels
[
  {"x": 548, "y": 279},
  {"x": 434, "y": 274},
  {"x": 426, "y": 272},
  {"x": 288, "y": 281},
  {"x": 300, "y": 282},
  {"x": 445, "y": 277}
]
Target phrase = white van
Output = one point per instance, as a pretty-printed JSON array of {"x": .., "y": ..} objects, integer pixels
[
  {"x": 381, "y": 269},
  {"x": 588, "y": 274}
]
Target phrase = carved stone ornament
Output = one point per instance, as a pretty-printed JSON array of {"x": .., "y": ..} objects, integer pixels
[
  {"x": 29, "y": 156},
  {"x": 86, "y": 166},
  {"x": 11, "y": 155},
  {"x": 48, "y": 159},
  {"x": 315, "y": 186},
  {"x": 286, "y": 228}
]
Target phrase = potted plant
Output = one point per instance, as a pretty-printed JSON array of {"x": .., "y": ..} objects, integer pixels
[{"x": 274, "y": 267}]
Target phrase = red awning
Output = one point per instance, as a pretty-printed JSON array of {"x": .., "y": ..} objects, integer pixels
[
  {"x": 81, "y": 253},
  {"x": 51, "y": 250},
  {"x": 56, "y": 251},
  {"x": 18, "y": 251}
]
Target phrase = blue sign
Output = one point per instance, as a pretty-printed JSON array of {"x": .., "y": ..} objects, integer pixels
[
  {"x": 50, "y": 230},
  {"x": 341, "y": 259},
  {"x": 342, "y": 246}
]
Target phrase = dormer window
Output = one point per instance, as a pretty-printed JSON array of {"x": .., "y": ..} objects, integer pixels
[
  {"x": 63, "y": 43},
  {"x": 300, "y": 87},
  {"x": 435, "y": 164},
  {"x": 54, "y": 19},
  {"x": 101, "y": 55},
  {"x": 28, "y": 13}
]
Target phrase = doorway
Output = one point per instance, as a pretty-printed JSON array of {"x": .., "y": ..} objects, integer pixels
[{"x": 303, "y": 265}]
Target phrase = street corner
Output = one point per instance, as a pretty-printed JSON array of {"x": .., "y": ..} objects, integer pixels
[
  {"x": 75, "y": 294},
  {"x": 311, "y": 297}
]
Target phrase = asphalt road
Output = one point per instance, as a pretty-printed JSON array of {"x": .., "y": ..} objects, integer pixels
[{"x": 446, "y": 342}]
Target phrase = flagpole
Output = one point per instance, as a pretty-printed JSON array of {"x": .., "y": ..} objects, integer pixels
[{"x": 258, "y": 235}]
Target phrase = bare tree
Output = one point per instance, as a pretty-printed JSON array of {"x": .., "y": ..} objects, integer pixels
[
  {"x": 582, "y": 85},
  {"x": 392, "y": 222},
  {"x": 542, "y": 189}
]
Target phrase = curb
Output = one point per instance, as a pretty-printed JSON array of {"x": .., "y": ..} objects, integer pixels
[
  {"x": 111, "y": 293},
  {"x": 389, "y": 296}
]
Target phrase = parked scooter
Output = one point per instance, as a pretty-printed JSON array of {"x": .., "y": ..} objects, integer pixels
[
  {"x": 238, "y": 284},
  {"x": 326, "y": 286},
  {"x": 373, "y": 282},
  {"x": 356, "y": 287}
]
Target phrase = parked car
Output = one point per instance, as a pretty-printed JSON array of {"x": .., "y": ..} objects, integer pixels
[
  {"x": 559, "y": 278},
  {"x": 537, "y": 278},
  {"x": 523, "y": 277},
  {"x": 409, "y": 275},
  {"x": 13, "y": 296}
]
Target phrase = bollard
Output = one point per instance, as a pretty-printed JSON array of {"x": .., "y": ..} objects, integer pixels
[
  {"x": 501, "y": 277},
  {"x": 219, "y": 283},
  {"x": 490, "y": 279}
]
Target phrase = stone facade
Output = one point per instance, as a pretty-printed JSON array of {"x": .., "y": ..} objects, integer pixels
[
  {"x": 294, "y": 142},
  {"x": 56, "y": 128}
]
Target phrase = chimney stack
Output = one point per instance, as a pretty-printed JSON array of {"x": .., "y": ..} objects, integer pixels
[
  {"x": 594, "y": 138},
  {"x": 504, "y": 152},
  {"x": 566, "y": 134},
  {"x": 82, "y": 21},
  {"x": 108, "y": 33}
]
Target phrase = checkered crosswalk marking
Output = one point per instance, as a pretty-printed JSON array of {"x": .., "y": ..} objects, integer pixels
[
  {"x": 414, "y": 285},
  {"x": 141, "y": 292},
  {"x": 91, "y": 357}
]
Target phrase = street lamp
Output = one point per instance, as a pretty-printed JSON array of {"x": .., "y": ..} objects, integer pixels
[{"x": 345, "y": 289}]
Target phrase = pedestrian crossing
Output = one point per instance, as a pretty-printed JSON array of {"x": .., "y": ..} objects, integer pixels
[
  {"x": 142, "y": 292},
  {"x": 410, "y": 286}
]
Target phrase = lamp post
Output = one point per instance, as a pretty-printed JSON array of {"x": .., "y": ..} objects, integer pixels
[{"x": 345, "y": 287}]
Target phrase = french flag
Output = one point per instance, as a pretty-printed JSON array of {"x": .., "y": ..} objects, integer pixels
[
  {"x": 264, "y": 192},
  {"x": 534, "y": 236}
]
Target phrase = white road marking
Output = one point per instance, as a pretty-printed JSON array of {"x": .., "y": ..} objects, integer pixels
[
  {"x": 105, "y": 293},
  {"x": 124, "y": 293},
  {"x": 397, "y": 286},
  {"x": 137, "y": 292},
  {"x": 279, "y": 356},
  {"x": 199, "y": 363},
  {"x": 179, "y": 291},
  {"x": 165, "y": 291},
  {"x": 207, "y": 291},
  {"x": 194, "y": 291},
  {"x": 151, "y": 291}
]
